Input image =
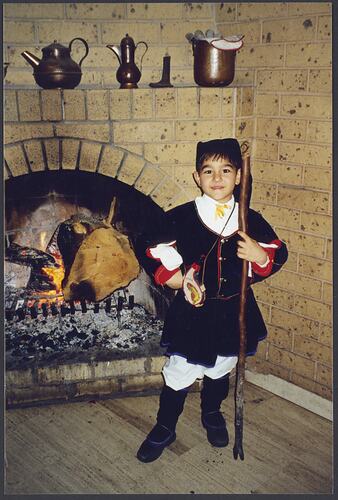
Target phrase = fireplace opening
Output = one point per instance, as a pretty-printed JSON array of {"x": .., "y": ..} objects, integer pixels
[{"x": 65, "y": 298}]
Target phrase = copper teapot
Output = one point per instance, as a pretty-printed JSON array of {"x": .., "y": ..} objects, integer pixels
[
  {"x": 128, "y": 73},
  {"x": 56, "y": 69}
]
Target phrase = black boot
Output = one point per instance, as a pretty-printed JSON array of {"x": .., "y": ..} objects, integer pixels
[
  {"x": 163, "y": 434},
  {"x": 214, "y": 391}
]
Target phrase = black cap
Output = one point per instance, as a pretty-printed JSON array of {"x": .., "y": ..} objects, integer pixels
[{"x": 225, "y": 147}]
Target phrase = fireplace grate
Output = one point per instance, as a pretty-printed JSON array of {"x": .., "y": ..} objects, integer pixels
[{"x": 17, "y": 307}]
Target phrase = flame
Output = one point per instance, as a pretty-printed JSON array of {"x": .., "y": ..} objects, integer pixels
[{"x": 56, "y": 274}]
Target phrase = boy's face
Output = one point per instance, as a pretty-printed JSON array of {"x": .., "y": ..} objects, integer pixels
[{"x": 217, "y": 179}]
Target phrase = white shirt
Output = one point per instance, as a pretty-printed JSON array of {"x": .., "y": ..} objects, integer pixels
[{"x": 206, "y": 208}]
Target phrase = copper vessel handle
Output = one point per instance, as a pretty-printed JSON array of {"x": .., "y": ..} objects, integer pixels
[
  {"x": 138, "y": 43},
  {"x": 85, "y": 44}
]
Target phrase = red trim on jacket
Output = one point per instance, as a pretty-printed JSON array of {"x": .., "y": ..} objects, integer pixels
[
  {"x": 266, "y": 271},
  {"x": 162, "y": 274},
  {"x": 195, "y": 266},
  {"x": 148, "y": 254}
]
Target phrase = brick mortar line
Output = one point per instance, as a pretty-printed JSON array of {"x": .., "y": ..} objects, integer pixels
[
  {"x": 40, "y": 106},
  {"x": 284, "y": 56},
  {"x": 302, "y": 142},
  {"x": 292, "y": 186},
  {"x": 77, "y": 163},
  {"x": 316, "y": 361},
  {"x": 291, "y": 352},
  {"x": 44, "y": 154},
  {"x": 295, "y": 313},
  {"x": 17, "y": 107},
  {"x": 140, "y": 173},
  {"x": 293, "y": 372},
  {"x": 159, "y": 184},
  {"x": 99, "y": 159},
  {"x": 285, "y": 117},
  {"x": 303, "y": 93},
  {"x": 307, "y": 255},
  {"x": 234, "y": 109},
  {"x": 85, "y": 106},
  {"x": 287, "y": 43},
  {"x": 10, "y": 175},
  {"x": 293, "y": 272},
  {"x": 180, "y": 191},
  {"x": 99, "y": 31},
  {"x": 26, "y": 158},
  {"x": 308, "y": 233},
  {"x": 285, "y": 17},
  {"x": 183, "y": 18},
  {"x": 295, "y": 186},
  {"x": 120, "y": 167},
  {"x": 36, "y": 28},
  {"x": 60, "y": 151}
]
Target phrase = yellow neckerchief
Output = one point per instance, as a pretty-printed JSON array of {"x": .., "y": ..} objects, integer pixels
[{"x": 220, "y": 209}]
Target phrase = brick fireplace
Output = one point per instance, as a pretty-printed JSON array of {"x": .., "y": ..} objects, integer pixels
[{"x": 141, "y": 142}]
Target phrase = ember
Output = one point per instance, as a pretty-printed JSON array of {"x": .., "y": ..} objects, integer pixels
[{"x": 93, "y": 335}]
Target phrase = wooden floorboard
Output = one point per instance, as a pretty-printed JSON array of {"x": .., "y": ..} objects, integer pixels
[{"x": 89, "y": 447}]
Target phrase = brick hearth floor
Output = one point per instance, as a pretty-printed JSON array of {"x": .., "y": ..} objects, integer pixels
[{"x": 89, "y": 447}]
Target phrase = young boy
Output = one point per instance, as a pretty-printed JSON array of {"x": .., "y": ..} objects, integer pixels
[{"x": 199, "y": 253}]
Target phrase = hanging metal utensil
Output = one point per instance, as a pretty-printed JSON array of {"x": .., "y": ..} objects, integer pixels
[{"x": 240, "y": 371}]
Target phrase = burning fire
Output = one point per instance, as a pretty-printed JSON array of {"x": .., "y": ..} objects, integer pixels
[{"x": 55, "y": 275}]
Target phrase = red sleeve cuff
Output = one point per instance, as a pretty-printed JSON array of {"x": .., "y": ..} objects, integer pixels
[
  {"x": 266, "y": 271},
  {"x": 162, "y": 274}
]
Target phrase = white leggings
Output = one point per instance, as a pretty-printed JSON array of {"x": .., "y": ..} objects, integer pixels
[{"x": 178, "y": 373}]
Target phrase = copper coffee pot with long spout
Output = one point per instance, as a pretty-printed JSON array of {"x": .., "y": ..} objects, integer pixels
[{"x": 128, "y": 73}]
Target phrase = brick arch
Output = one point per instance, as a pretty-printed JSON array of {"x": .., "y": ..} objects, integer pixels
[{"x": 51, "y": 154}]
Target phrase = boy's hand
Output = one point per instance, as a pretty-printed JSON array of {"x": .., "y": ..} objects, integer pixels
[
  {"x": 250, "y": 250},
  {"x": 176, "y": 281}
]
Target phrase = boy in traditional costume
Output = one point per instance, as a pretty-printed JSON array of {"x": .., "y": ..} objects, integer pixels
[{"x": 199, "y": 253}]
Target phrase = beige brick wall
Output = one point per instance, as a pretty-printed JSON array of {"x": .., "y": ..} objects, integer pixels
[
  {"x": 288, "y": 48},
  {"x": 281, "y": 104}
]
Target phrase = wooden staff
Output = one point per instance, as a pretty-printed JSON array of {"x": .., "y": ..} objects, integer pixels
[{"x": 240, "y": 371}]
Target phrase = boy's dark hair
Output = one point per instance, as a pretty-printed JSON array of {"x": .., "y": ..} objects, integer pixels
[{"x": 219, "y": 148}]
